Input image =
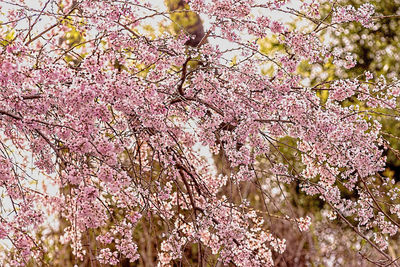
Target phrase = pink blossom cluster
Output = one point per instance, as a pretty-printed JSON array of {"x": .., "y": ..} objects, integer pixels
[{"x": 349, "y": 13}]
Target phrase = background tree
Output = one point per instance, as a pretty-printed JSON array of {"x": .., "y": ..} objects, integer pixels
[{"x": 377, "y": 50}]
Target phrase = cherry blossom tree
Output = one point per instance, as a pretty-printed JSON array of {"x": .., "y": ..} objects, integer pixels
[{"x": 114, "y": 131}]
